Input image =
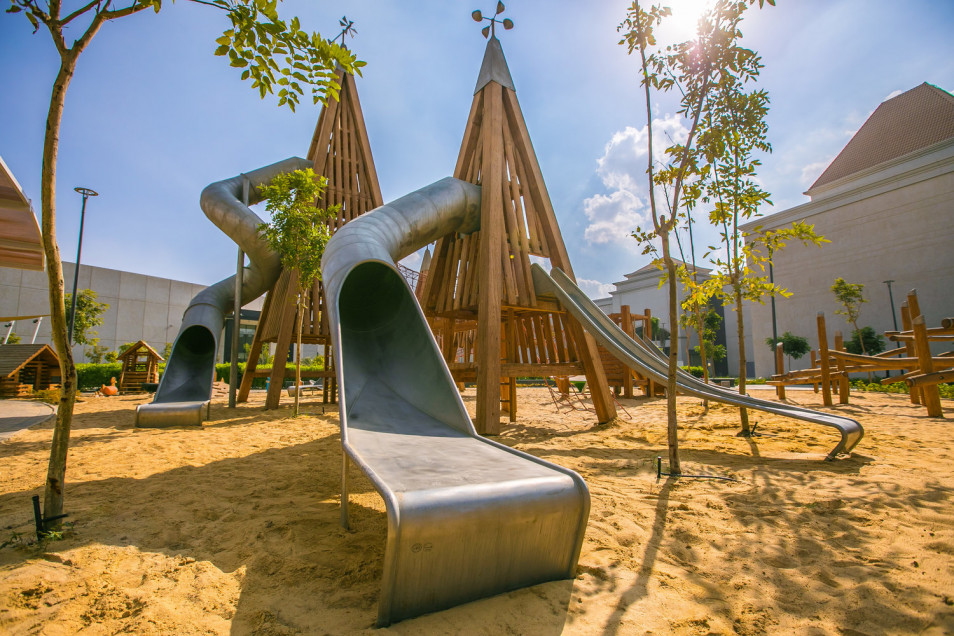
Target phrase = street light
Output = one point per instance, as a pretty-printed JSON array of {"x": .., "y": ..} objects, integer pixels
[
  {"x": 894, "y": 317},
  {"x": 86, "y": 192}
]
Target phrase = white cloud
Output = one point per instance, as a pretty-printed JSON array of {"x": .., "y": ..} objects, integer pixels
[
  {"x": 892, "y": 94},
  {"x": 812, "y": 171},
  {"x": 594, "y": 288},
  {"x": 622, "y": 169}
]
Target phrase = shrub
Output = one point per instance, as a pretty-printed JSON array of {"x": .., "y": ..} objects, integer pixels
[
  {"x": 223, "y": 371},
  {"x": 695, "y": 371},
  {"x": 92, "y": 376},
  {"x": 50, "y": 396}
]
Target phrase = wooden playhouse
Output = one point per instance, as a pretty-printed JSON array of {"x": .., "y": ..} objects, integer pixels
[{"x": 25, "y": 368}]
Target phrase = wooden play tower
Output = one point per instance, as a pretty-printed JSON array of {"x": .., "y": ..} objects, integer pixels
[
  {"x": 478, "y": 292},
  {"x": 341, "y": 152}
]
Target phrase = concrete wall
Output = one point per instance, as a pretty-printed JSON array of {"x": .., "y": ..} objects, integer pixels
[
  {"x": 895, "y": 223},
  {"x": 140, "y": 307}
]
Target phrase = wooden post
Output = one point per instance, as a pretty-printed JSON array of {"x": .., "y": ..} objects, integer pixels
[
  {"x": 824, "y": 360},
  {"x": 490, "y": 272},
  {"x": 814, "y": 358},
  {"x": 511, "y": 356},
  {"x": 906, "y": 325},
  {"x": 843, "y": 385},
  {"x": 932, "y": 399},
  {"x": 627, "y": 326},
  {"x": 780, "y": 368}
]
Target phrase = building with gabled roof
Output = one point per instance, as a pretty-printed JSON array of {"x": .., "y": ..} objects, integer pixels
[
  {"x": 25, "y": 368},
  {"x": 886, "y": 203}
]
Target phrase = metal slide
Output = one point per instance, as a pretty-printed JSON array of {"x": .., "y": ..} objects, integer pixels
[
  {"x": 185, "y": 388},
  {"x": 467, "y": 517},
  {"x": 640, "y": 357}
]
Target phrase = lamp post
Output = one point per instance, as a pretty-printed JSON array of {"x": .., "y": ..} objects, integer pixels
[
  {"x": 894, "y": 317},
  {"x": 86, "y": 192}
]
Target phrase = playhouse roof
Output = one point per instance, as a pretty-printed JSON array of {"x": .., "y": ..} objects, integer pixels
[
  {"x": 916, "y": 119},
  {"x": 136, "y": 347},
  {"x": 14, "y": 357}
]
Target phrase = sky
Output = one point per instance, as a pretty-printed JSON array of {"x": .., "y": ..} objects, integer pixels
[{"x": 152, "y": 117}]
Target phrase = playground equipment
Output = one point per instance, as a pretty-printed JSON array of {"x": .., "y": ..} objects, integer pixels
[
  {"x": 484, "y": 276},
  {"x": 341, "y": 152},
  {"x": 186, "y": 385},
  {"x": 647, "y": 360},
  {"x": 467, "y": 517},
  {"x": 619, "y": 376},
  {"x": 921, "y": 370},
  {"x": 25, "y": 368},
  {"x": 140, "y": 365}
]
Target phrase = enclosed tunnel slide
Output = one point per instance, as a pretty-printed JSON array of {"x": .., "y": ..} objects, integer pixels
[
  {"x": 640, "y": 356},
  {"x": 186, "y": 385},
  {"x": 467, "y": 517}
]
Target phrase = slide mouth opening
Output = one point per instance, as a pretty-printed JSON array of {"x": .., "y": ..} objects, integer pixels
[
  {"x": 195, "y": 342},
  {"x": 372, "y": 297}
]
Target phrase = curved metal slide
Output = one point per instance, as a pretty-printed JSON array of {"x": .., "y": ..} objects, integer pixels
[
  {"x": 186, "y": 385},
  {"x": 640, "y": 357},
  {"x": 467, "y": 517}
]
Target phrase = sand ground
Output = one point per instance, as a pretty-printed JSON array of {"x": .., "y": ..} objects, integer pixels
[{"x": 233, "y": 528}]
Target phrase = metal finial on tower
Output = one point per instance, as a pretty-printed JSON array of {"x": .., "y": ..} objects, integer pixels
[
  {"x": 347, "y": 28},
  {"x": 490, "y": 30}
]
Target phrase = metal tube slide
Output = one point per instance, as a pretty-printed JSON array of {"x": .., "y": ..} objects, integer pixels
[
  {"x": 186, "y": 385},
  {"x": 467, "y": 517},
  {"x": 640, "y": 356}
]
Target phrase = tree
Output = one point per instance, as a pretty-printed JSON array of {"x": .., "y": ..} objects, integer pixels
[
  {"x": 697, "y": 69},
  {"x": 851, "y": 296},
  {"x": 89, "y": 314},
  {"x": 97, "y": 353},
  {"x": 269, "y": 50},
  {"x": 793, "y": 346},
  {"x": 732, "y": 133},
  {"x": 864, "y": 340},
  {"x": 299, "y": 232}
]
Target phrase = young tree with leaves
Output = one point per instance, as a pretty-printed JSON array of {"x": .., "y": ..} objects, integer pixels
[
  {"x": 696, "y": 68},
  {"x": 89, "y": 314},
  {"x": 298, "y": 232},
  {"x": 793, "y": 346},
  {"x": 852, "y": 297},
  {"x": 270, "y": 50}
]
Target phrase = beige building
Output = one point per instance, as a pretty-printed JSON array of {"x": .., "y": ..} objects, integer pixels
[{"x": 886, "y": 203}]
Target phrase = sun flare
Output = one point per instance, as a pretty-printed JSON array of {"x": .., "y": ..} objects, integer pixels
[{"x": 685, "y": 16}]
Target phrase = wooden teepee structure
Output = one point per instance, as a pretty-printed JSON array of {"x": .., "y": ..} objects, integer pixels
[
  {"x": 341, "y": 152},
  {"x": 478, "y": 290}
]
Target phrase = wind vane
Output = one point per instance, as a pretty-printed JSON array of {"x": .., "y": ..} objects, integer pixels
[
  {"x": 489, "y": 31},
  {"x": 347, "y": 28}
]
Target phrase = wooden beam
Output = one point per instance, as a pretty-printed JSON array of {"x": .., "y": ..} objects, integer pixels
[
  {"x": 780, "y": 368},
  {"x": 932, "y": 399},
  {"x": 843, "y": 386},
  {"x": 490, "y": 273},
  {"x": 824, "y": 360}
]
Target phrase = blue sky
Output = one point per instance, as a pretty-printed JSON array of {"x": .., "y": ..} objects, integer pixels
[{"x": 152, "y": 116}]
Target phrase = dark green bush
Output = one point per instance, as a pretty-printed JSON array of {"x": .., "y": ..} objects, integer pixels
[
  {"x": 696, "y": 371},
  {"x": 223, "y": 371},
  {"x": 92, "y": 376}
]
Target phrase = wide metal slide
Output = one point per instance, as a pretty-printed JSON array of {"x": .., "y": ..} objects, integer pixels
[
  {"x": 467, "y": 517},
  {"x": 640, "y": 357}
]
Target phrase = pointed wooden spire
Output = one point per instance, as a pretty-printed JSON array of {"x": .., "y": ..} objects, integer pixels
[
  {"x": 486, "y": 275},
  {"x": 341, "y": 152}
]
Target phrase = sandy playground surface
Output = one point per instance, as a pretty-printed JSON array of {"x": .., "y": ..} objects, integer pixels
[{"x": 234, "y": 528}]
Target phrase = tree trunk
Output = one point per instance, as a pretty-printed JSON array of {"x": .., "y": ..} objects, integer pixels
[
  {"x": 56, "y": 472},
  {"x": 672, "y": 430},
  {"x": 704, "y": 358},
  {"x": 743, "y": 412},
  {"x": 301, "y": 319}
]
